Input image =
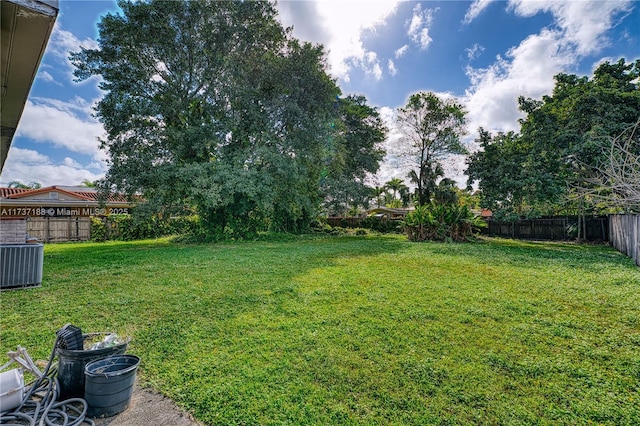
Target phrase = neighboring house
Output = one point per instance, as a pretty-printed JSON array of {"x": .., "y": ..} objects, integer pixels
[
  {"x": 54, "y": 213},
  {"x": 388, "y": 212},
  {"x": 59, "y": 201}
]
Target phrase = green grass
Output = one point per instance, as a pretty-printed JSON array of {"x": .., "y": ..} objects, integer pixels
[{"x": 356, "y": 330}]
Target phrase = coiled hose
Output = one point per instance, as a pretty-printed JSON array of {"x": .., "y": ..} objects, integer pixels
[{"x": 40, "y": 406}]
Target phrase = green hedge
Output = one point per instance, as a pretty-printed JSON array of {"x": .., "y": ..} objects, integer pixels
[
  {"x": 373, "y": 223},
  {"x": 132, "y": 227}
]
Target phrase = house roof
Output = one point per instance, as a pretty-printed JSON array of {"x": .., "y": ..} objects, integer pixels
[
  {"x": 389, "y": 211},
  {"x": 8, "y": 192},
  {"x": 79, "y": 192},
  {"x": 26, "y": 27}
]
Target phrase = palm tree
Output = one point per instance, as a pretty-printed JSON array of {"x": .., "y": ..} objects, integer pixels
[
  {"x": 405, "y": 196},
  {"x": 19, "y": 185},
  {"x": 89, "y": 184},
  {"x": 396, "y": 185},
  {"x": 427, "y": 187},
  {"x": 446, "y": 192},
  {"x": 379, "y": 193}
]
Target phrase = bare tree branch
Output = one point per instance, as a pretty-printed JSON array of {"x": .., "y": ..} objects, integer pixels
[{"x": 616, "y": 181}]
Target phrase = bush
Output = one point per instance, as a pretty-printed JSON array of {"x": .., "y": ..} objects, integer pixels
[
  {"x": 98, "y": 229},
  {"x": 440, "y": 222},
  {"x": 326, "y": 229},
  {"x": 137, "y": 227},
  {"x": 383, "y": 225}
]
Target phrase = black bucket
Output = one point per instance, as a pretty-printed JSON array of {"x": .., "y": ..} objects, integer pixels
[
  {"x": 71, "y": 365},
  {"x": 109, "y": 384}
]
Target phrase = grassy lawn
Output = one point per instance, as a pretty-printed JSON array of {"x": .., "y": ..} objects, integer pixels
[{"x": 356, "y": 330}]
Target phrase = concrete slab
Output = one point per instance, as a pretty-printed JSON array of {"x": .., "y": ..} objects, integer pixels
[{"x": 149, "y": 408}]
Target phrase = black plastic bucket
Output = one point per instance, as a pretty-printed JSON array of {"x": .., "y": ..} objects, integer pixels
[
  {"x": 71, "y": 364},
  {"x": 109, "y": 384}
]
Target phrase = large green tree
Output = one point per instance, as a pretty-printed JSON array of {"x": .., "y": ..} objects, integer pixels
[
  {"x": 19, "y": 185},
  {"x": 431, "y": 126},
  {"x": 400, "y": 195},
  {"x": 352, "y": 153},
  {"x": 565, "y": 132},
  {"x": 500, "y": 169},
  {"x": 214, "y": 105},
  {"x": 564, "y": 143}
]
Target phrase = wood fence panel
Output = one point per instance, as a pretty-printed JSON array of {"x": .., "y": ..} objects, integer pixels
[
  {"x": 37, "y": 227},
  {"x": 549, "y": 228},
  {"x": 57, "y": 229},
  {"x": 624, "y": 232},
  {"x": 344, "y": 222}
]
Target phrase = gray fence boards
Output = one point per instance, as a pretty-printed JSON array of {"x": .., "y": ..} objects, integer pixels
[{"x": 624, "y": 231}]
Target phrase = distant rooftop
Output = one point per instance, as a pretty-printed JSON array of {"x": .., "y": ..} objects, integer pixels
[{"x": 83, "y": 192}]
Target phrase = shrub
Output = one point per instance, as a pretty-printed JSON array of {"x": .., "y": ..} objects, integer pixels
[
  {"x": 137, "y": 227},
  {"x": 98, "y": 229},
  {"x": 441, "y": 222},
  {"x": 383, "y": 225}
]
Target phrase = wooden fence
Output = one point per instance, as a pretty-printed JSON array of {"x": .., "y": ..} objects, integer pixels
[
  {"x": 624, "y": 231},
  {"x": 66, "y": 228},
  {"x": 345, "y": 222},
  {"x": 552, "y": 228}
]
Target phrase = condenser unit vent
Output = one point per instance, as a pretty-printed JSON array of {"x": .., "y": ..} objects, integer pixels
[{"x": 21, "y": 265}]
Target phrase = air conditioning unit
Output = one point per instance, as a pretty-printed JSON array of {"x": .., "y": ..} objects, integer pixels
[{"x": 21, "y": 265}]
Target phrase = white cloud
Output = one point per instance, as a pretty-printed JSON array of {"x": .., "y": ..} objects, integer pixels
[
  {"x": 418, "y": 26},
  {"x": 401, "y": 51},
  {"x": 371, "y": 65},
  {"x": 392, "y": 68},
  {"x": 339, "y": 25},
  {"x": 394, "y": 165},
  {"x": 45, "y": 76},
  {"x": 70, "y": 162},
  {"x": 304, "y": 16},
  {"x": 62, "y": 43},
  {"x": 28, "y": 157},
  {"x": 474, "y": 51},
  {"x": 583, "y": 23},
  {"x": 527, "y": 69},
  {"x": 43, "y": 170},
  {"x": 64, "y": 124},
  {"x": 476, "y": 8}
]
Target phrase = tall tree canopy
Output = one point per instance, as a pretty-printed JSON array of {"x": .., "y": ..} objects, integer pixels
[
  {"x": 563, "y": 142},
  {"x": 213, "y": 104},
  {"x": 565, "y": 131},
  {"x": 19, "y": 185},
  {"x": 353, "y": 152},
  {"x": 432, "y": 127},
  {"x": 500, "y": 168}
]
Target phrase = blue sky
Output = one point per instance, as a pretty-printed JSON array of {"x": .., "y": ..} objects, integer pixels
[{"x": 484, "y": 52}]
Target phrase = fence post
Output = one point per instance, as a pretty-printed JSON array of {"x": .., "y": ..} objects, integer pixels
[{"x": 637, "y": 239}]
